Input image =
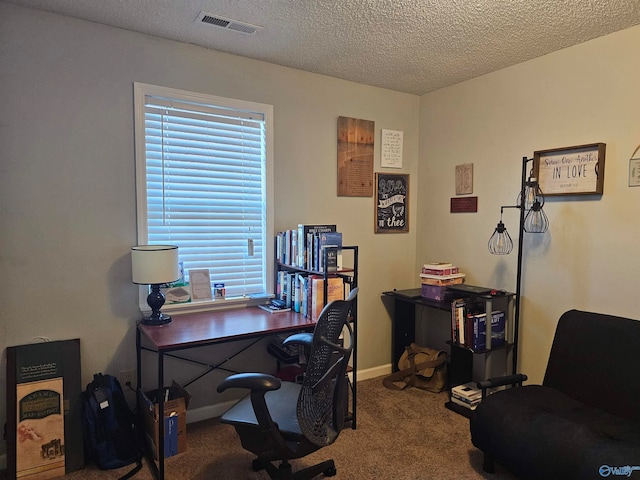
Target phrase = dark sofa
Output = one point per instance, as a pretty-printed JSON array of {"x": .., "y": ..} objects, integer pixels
[{"x": 583, "y": 422}]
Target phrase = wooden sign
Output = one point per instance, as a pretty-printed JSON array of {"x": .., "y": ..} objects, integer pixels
[
  {"x": 355, "y": 157},
  {"x": 464, "y": 204},
  {"x": 570, "y": 170},
  {"x": 392, "y": 203}
]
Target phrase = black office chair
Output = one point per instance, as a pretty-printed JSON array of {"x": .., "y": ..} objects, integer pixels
[{"x": 280, "y": 421}]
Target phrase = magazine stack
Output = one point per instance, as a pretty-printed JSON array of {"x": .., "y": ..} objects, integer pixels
[{"x": 467, "y": 395}]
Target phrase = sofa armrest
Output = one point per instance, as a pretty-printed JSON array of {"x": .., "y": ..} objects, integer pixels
[{"x": 513, "y": 380}]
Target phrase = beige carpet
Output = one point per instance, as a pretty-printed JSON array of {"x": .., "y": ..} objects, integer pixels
[{"x": 406, "y": 435}]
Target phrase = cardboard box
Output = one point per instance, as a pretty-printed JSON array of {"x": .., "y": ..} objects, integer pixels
[{"x": 175, "y": 420}]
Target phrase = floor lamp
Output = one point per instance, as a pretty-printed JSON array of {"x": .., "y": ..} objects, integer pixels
[{"x": 532, "y": 220}]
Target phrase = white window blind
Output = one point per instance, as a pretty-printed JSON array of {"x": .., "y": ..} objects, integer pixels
[{"x": 206, "y": 186}]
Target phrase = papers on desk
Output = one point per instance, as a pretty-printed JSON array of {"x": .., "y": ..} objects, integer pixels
[{"x": 273, "y": 308}]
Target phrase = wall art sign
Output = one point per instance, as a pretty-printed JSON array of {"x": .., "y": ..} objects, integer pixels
[
  {"x": 391, "y": 154},
  {"x": 392, "y": 203},
  {"x": 634, "y": 168},
  {"x": 464, "y": 205},
  {"x": 355, "y": 157},
  {"x": 570, "y": 170},
  {"x": 464, "y": 179}
]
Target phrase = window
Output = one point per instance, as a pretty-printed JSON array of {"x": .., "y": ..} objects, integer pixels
[{"x": 203, "y": 179}]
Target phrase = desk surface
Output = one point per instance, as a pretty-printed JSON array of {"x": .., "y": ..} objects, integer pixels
[{"x": 203, "y": 328}]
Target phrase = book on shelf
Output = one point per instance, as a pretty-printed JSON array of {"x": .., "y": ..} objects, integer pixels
[
  {"x": 467, "y": 395},
  {"x": 303, "y": 234},
  {"x": 458, "y": 312},
  {"x": 468, "y": 391},
  {"x": 335, "y": 291},
  {"x": 478, "y": 337},
  {"x": 464, "y": 403},
  {"x": 331, "y": 243}
]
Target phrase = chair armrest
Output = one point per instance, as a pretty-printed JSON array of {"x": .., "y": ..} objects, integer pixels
[
  {"x": 251, "y": 381},
  {"x": 513, "y": 380},
  {"x": 259, "y": 384},
  {"x": 305, "y": 339}
]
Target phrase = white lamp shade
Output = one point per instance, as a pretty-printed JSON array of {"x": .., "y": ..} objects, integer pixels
[{"x": 154, "y": 264}]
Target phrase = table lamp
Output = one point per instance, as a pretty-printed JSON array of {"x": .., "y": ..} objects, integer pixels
[{"x": 155, "y": 265}]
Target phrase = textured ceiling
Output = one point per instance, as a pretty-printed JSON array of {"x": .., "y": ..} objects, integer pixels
[{"x": 410, "y": 46}]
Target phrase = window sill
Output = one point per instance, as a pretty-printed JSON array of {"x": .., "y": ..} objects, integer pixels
[{"x": 201, "y": 306}]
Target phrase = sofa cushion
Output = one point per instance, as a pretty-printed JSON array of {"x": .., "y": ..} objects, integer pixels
[
  {"x": 538, "y": 432},
  {"x": 594, "y": 359}
]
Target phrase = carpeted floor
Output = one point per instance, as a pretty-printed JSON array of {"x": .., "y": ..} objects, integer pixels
[{"x": 401, "y": 435}]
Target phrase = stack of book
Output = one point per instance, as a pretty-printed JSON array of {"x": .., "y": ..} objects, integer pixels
[
  {"x": 436, "y": 276},
  {"x": 305, "y": 247},
  {"x": 469, "y": 325},
  {"x": 467, "y": 395}
]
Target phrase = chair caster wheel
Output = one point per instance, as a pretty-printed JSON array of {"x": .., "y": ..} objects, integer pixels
[
  {"x": 330, "y": 472},
  {"x": 256, "y": 465}
]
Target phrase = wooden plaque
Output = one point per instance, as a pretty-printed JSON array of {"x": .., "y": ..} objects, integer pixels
[
  {"x": 355, "y": 157},
  {"x": 570, "y": 170}
]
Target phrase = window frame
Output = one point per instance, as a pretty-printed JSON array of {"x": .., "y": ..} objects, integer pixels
[{"x": 140, "y": 90}]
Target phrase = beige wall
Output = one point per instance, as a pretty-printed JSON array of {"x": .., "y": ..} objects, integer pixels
[
  {"x": 67, "y": 199},
  {"x": 67, "y": 191},
  {"x": 589, "y": 257}
]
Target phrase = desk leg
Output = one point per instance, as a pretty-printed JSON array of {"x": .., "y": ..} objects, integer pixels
[
  {"x": 160, "y": 446},
  {"x": 403, "y": 331},
  {"x": 138, "y": 363}
]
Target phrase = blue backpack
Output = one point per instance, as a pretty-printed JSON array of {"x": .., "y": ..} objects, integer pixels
[{"x": 109, "y": 427}]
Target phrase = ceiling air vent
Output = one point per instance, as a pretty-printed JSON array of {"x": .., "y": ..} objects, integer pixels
[{"x": 227, "y": 23}]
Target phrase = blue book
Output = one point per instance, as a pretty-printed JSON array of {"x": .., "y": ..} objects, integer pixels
[
  {"x": 332, "y": 243},
  {"x": 479, "y": 332}
]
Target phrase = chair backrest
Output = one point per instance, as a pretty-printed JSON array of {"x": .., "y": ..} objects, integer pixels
[
  {"x": 322, "y": 400},
  {"x": 594, "y": 358}
]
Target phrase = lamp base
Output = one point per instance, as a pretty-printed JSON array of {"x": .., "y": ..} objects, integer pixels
[{"x": 161, "y": 319}]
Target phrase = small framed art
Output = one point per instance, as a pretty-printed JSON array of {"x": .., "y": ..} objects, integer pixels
[{"x": 392, "y": 203}]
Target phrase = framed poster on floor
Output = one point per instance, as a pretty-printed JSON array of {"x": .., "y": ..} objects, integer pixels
[{"x": 44, "y": 410}]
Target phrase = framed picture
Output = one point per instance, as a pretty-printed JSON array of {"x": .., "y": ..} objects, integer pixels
[
  {"x": 391, "y": 153},
  {"x": 392, "y": 203},
  {"x": 464, "y": 179},
  {"x": 571, "y": 170},
  {"x": 200, "y": 281},
  {"x": 634, "y": 169}
]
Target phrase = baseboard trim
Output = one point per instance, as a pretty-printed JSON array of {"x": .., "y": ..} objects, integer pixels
[
  {"x": 374, "y": 372},
  {"x": 212, "y": 411}
]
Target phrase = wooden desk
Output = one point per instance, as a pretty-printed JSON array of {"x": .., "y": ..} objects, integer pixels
[{"x": 208, "y": 328}]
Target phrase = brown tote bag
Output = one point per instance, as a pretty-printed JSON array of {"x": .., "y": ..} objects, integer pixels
[{"x": 420, "y": 367}]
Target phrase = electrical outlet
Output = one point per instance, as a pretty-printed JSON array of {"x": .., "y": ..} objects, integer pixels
[{"x": 128, "y": 379}]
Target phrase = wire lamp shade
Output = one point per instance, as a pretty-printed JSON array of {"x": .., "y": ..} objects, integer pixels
[
  {"x": 532, "y": 220},
  {"x": 155, "y": 265},
  {"x": 500, "y": 242}
]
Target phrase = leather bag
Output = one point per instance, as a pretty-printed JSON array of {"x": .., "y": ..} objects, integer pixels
[{"x": 420, "y": 367}]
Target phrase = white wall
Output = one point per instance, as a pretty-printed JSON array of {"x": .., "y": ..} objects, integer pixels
[
  {"x": 589, "y": 258},
  {"x": 67, "y": 190}
]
